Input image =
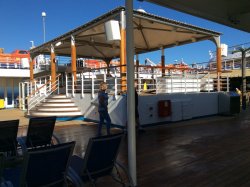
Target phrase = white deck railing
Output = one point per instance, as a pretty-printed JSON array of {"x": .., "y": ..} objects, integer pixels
[
  {"x": 32, "y": 93},
  {"x": 88, "y": 82}
]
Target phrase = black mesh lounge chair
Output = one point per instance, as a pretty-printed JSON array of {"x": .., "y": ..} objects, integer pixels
[
  {"x": 44, "y": 166},
  {"x": 8, "y": 137},
  {"x": 3, "y": 183},
  {"x": 40, "y": 133},
  {"x": 99, "y": 160}
]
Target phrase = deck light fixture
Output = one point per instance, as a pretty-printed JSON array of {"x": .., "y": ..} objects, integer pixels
[{"x": 58, "y": 43}]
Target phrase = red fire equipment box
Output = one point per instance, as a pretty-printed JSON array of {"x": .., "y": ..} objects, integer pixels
[{"x": 164, "y": 108}]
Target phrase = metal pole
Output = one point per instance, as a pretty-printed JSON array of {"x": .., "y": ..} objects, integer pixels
[
  {"x": 43, "y": 16},
  {"x": 208, "y": 82},
  {"x": 82, "y": 83},
  {"x": 44, "y": 30},
  {"x": 244, "y": 89},
  {"x": 73, "y": 85},
  {"x": 115, "y": 85},
  {"x": 227, "y": 84},
  {"x": 19, "y": 95},
  {"x": 93, "y": 86},
  {"x": 66, "y": 84},
  {"x": 23, "y": 96},
  {"x": 131, "y": 93}
]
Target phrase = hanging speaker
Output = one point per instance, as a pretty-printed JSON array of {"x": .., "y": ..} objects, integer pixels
[
  {"x": 224, "y": 49},
  {"x": 112, "y": 30}
]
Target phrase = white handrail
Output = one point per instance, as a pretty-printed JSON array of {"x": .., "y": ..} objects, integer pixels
[
  {"x": 171, "y": 83},
  {"x": 34, "y": 99}
]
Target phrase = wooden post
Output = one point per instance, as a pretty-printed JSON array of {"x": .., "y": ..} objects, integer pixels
[
  {"x": 73, "y": 57},
  {"x": 218, "y": 60},
  {"x": 216, "y": 40},
  {"x": 32, "y": 62},
  {"x": 123, "y": 53},
  {"x": 53, "y": 66}
]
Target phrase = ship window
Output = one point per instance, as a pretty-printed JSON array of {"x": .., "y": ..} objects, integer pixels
[{"x": 23, "y": 52}]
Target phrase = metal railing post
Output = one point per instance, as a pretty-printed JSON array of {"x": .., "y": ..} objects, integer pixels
[
  {"x": 185, "y": 77},
  {"x": 73, "y": 86},
  {"x": 197, "y": 81},
  {"x": 138, "y": 74},
  {"x": 208, "y": 81},
  {"x": 115, "y": 86},
  {"x": 139, "y": 83},
  {"x": 66, "y": 85},
  {"x": 28, "y": 89},
  {"x": 23, "y": 96},
  {"x": 35, "y": 87},
  {"x": 227, "y": 84},
  {"x": 93, "y": 86},
  {"x": 171, "y": 76},
  {"x": 19, "y": 95},
  {"x": 58, "y": 82},
  {"x": 105, "y": 76},
  {"x": 82, "y": 85}
]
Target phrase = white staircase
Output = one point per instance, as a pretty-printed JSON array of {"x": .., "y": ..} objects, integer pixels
[{"x": 56, "y": 105}]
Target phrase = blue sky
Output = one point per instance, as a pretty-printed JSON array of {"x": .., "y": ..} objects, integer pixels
[{"x": 21, "y": 22}]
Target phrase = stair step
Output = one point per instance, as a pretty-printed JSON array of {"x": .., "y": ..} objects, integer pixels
[
  {"x": 58, "y": 96},
  {"x": 57, "y": 100},
  {"x": 50, "y": 113},
  {"x": 56, "y": 104},
  {"x": 47, "y": 109}
]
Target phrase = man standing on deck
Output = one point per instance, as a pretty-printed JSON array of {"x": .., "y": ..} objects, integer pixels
[{"x": 103, "y": 109}]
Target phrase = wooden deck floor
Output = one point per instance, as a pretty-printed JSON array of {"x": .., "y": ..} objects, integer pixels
[{"x": 212, "y": 152}]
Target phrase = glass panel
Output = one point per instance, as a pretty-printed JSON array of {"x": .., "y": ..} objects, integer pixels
[
  {"x": 9, "y": 91},
  {"x": 16, "y": 91}
]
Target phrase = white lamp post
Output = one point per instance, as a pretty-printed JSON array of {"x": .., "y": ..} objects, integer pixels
[
  {"x": 43, "y": 16},
  {"x": 32, "y": 44}
]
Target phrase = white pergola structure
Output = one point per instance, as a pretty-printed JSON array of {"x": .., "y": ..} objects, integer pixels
[{"x": 141, "y": 32}]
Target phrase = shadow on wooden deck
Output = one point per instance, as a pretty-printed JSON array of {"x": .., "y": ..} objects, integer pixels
[{"x": 211, "y": 151}]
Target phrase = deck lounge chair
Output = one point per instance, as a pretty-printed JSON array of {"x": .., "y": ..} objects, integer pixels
[
  {"x": 99, "y": 160},
  {"x": 44, "y": 166},
  {"x": 39, "y": 133},
  {"x": 8, "y": 137}
]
